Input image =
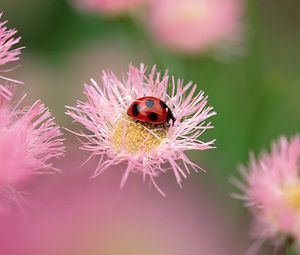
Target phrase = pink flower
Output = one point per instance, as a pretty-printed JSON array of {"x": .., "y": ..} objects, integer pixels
[
  {"x": 29, "y": 138},
  {"x": 144, "y": 148},
  {"x": 192, "y": 26},
  {"x": 272, "y": 192},
  {"x": 7, "y": 53},
  {"x": 109, "y": 7}
]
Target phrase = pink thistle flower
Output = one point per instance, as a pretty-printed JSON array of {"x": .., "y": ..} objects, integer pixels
[
  {"x": 7, "y": 53},
  {"x": 193, "y": 26},
  {"x": 29, "y": 138},
  {"x": 272, "y": 193},
  {"x": 109, "y": 7},
  {"x": 145, "y": 149}
]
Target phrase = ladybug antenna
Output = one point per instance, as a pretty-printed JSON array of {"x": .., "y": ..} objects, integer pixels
[{"x": 173, "y": 120}]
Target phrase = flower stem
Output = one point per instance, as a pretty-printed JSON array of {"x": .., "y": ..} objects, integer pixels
[{"x": 289, "y": 248}]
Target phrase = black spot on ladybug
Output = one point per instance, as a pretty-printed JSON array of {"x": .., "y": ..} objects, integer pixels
[
  {"x": 135, "y": 110},
  {"x": 149, "y": 103},
  {"x": 163, "y": 104},
  {"x": 152, "y": 116}
]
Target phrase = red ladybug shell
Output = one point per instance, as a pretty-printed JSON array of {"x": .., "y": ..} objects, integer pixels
[{"x": 150, "y": 110}]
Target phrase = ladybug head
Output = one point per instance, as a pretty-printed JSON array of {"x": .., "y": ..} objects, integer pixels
[{"x": 170, "y": 116}]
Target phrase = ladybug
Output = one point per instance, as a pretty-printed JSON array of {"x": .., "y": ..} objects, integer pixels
[{"x": 150, "y": 110}]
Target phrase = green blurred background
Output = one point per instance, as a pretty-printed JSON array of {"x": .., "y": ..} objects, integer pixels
[{"x": 256, "y": 94}]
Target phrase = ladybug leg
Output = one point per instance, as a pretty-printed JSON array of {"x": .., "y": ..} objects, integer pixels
[{"x": 166, "y": 125}]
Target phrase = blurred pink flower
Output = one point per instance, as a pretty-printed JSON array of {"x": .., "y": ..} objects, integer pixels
[
  {"x": 145, "y": 149},
  {"x": 272, "y": 193},
  {"x": 193, "y": 26},
  {"x": 77, "y": 216},
  {"x": 7, "y": 53},
  {"x": 109, "y": 7},
  {"x": 29, "y": 138}
]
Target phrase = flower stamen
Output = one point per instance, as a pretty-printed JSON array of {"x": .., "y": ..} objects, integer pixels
[
  {"x": 292, "y": 194},
  {"x": 136, "y": 137}
]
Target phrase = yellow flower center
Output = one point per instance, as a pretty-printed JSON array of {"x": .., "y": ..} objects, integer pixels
[
  {"x": 292, "y": 195},
  {"x": 134, "y": 137},
  {"x": 187, "y": 11},
  {"x": 192, "y": 12}
]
